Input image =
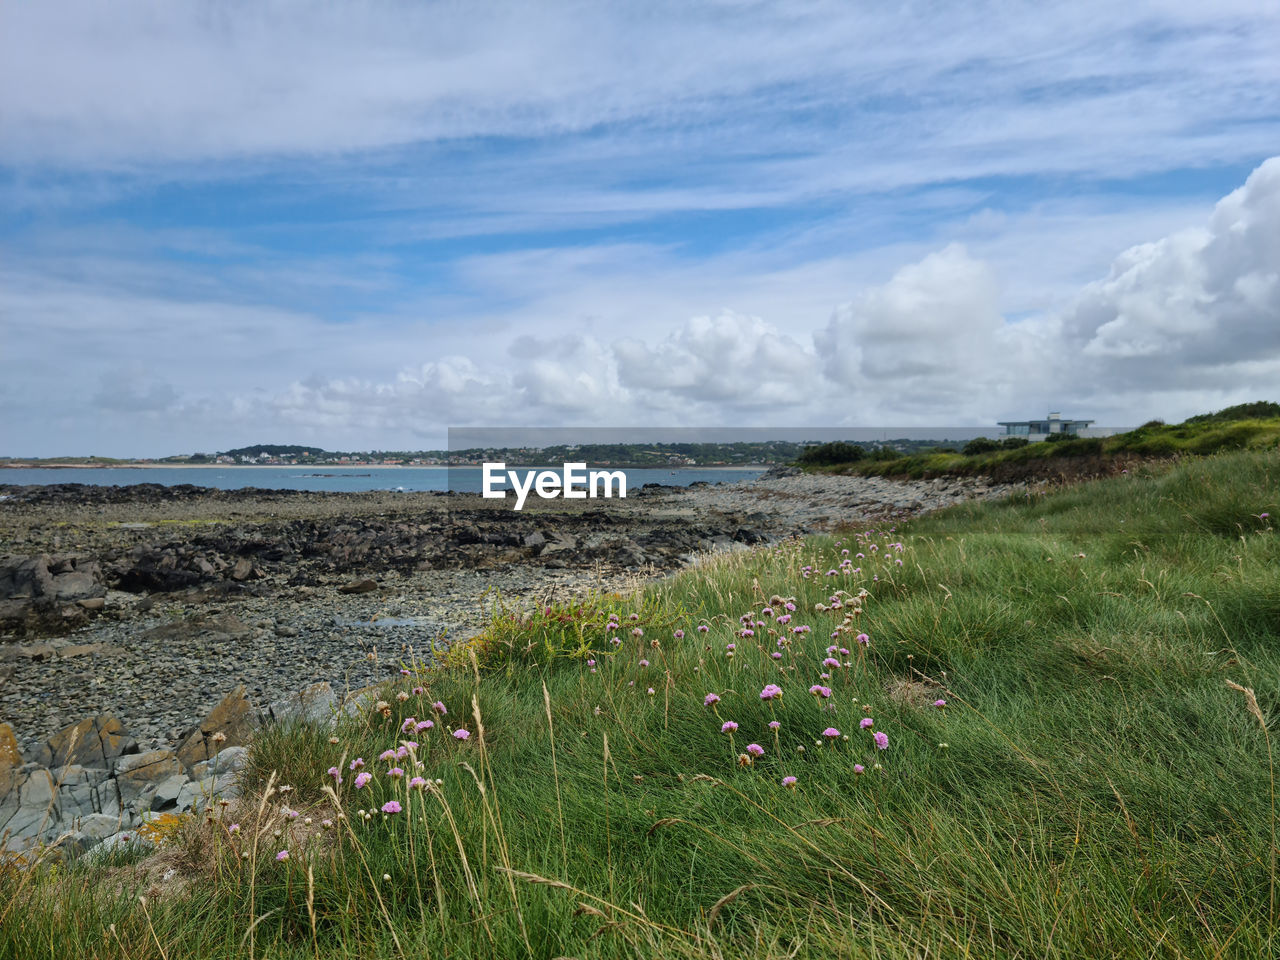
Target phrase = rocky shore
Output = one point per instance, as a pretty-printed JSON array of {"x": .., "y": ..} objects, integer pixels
[{"x": 147, "y": 606}]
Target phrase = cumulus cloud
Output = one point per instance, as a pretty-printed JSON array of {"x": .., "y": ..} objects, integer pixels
[
  {"x": 1199, "y": 308},
  {"x": 731, "y": 359}
]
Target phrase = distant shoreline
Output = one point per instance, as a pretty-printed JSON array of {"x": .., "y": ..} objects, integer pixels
[{"x": 353, "y": 466}]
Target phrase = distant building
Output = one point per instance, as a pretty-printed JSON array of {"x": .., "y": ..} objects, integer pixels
[{"x": 1039, "y": 429}]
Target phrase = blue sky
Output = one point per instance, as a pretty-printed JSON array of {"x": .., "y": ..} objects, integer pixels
[{"x": 358, "y": 225}]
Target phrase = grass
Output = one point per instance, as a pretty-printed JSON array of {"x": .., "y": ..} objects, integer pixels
[
  {"x": 1099, "y": 782},
  {"x": 1080, "y": 457}
]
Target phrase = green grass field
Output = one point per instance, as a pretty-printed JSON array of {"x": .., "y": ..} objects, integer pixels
[{"x": 1099, "y": 782}]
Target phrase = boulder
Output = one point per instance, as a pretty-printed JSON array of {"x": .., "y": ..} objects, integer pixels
[
  {"x": 232, "y": 719},
  {"x": 312, "y": 704},
  {"x": 138, "y": 776},
  {"x": 44, "y": 592},
  {"x": 92, "y": 742},
  {"x": 359, "y": 586}
]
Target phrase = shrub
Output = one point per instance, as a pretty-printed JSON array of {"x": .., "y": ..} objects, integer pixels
[
  {"x": 827, "y": 454},
  {"x": 980, "y": 445},
  {"x": 1013, "y": 443}
]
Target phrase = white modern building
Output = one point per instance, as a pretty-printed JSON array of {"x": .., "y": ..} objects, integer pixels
[{"x": 1035, "y": 430}]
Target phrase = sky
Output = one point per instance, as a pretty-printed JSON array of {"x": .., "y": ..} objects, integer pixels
[{"x": 356, "y": 225}]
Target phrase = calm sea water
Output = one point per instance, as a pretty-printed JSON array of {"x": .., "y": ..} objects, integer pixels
[{"x": 462, "y": 479}]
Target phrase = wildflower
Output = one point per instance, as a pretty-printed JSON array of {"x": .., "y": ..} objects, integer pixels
[
  {"x": 818, "y": 690},
  {"x": 327, "y": 824},
  {"x": 864, "y": 640},
  {"x": 357, "y": 763},
  {"x": 728, "y": 727},
  {"x": 423, "y": 725},
  {"x": 832, "y": 663},
  {"x": 362, "y": 779},
  {"x": 439, "y": 708},
  {"x": 386, "y": 756},
  {"x": 785, "y": 618},
  {"x": 679, "y": 634},
  {"x": 744, "y": 760},
  {"x": 939, "y": 703},
  {"x": 882, "y": 739},
  {"x": 282, "y": 856},
  {"x": 703, "y": 628},
  {"x": 866, "y": 722},
  {"x": 776, "y": 655},
  {"x": 767, "y": 612},
  {"x": 731, "y": 646},
  {"x": 419, "y": 691},
  {"x": 637, "y": 632},
  {"x": 789, "y": 782},
  {"x": 219, "y": 737},
  {"x": 634, "y": 616},
  {"x": 591, "y": 662},
  {"x": 859, "y": 769},
  {"x": 461, "y": 734},
  {"x": 402, "y": 696},
  {"x": 791, "y": 607},
  {"x": 709, "y": 699},
  {"x": 337, "y": 777},
  {"x": 391, "y": 806},
  {"x": 334, "y": 740},
  {"x": 408, "y": 724},
  {"x": 234, "y": 828},
  {"x": 651, "y": 691},
  {"x": 755, "y": 749},
  {"x": 644, "y": 663},
  {"x": 395, "y": 773},
  {"x": 831, "y": 733},
  {"x": 775, "y": 724},
  {"x": 747, "y": 633},
  {"x": 771, "y": 691}
]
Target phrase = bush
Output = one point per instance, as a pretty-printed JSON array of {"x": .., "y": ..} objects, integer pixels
[
  {"x": 980, "y": 445},
  {"x": 1013, "y": 443},
  {"x": 1258, "y": 410},
  {"x": 827, "y": 454}
]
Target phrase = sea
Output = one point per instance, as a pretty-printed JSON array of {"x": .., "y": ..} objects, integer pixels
[{"x": 340, "y": 479}]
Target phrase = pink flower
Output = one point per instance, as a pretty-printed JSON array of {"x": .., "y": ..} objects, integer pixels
[
  {"x": 387, "y": 756},
  {"x": 831, "y": 662},
  {"x": 755, "y": 749},
  {"x": 770, "y": 691},
  {"x": 423, "y": 725},
  {"x": 408, "y": 724},
  {"x": 939, "y": 703},
  {"x": 789, "y": 782},
  {"x": 679, "y": 634},
  {"x": 357, "y": 763},
  {"x": 395, "y": 773},
  {"x": 818, "y": 690},
  {"x": 637, "y": 632},
  {"x": 337, "y": 777},
  {"x": 703, "y": 628},
  {"x": 417, "y": 783},
  {"x": 644, "y": 663},
  {"x": 591, "y": 662},
  {"x": 709, "y": 699},
  {"x": 831, "y": 733},
  {"x": 282, "y": 856},
  {"x": 439, "y": 708},
  {"x": 728, "y": 727},
  {"x": 461, "y": 734},
  {"x": 362, "y": 779},
  {"x": 391, "y": 806},
  {"x": 882, "y": 739},
  {"x": 858, "y": 768},
  {"x": 775, "y": 724},
  {"x": 864, "y": 639},
  {"x": 776, "y": 655},
  {"x": 866, "y": 722}
]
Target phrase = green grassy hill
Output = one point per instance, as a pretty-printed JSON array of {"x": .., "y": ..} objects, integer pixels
[{"x": 1074, "y": 693}]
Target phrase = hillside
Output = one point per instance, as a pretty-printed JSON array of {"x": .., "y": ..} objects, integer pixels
[{"x": 1043, "y": 731}]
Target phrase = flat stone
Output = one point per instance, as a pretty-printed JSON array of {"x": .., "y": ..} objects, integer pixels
[
  {"x": 359, "y": 586},
  {"x": 97, "y": 827},
  {"x": 92, "y": 604},
  {"x": 285, "y": 630}
]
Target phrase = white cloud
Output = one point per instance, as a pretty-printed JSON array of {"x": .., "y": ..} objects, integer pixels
[
  {"x": 731, "y": 359},
  {"x": 1198, "y": 308}
]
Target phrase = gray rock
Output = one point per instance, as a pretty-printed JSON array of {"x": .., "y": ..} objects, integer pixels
[
  {"x": 169, "y": 792},
  {"x": 313, "y": 704},
  {"x": 98, "y": 826},
  {"x": 139, "y": 775}
]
